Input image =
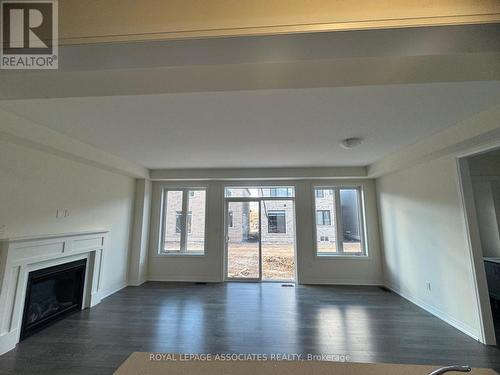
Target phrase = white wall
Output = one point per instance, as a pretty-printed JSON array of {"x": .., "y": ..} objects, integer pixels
[
  {"x": 139, "y": 243},
  {"x": 311, "y": 269},
  {"x": 34, "y": 184},
  {"x": 424, "y": 237}
]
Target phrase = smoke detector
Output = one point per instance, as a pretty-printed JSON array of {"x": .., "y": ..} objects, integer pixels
[{"x": 350, "y": 143}]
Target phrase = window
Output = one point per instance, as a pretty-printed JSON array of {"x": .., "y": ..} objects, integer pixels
[
  {"x": 260, "y": 192},
  {"x": 178, "y": 221},
  {"x": 280, "y": 192},
  {"x": 323, "y": 217},
  {"x": 195, "y": 237},
  {"x": 183, "y": 221},
  {"x": 230, "y": 219},
  {"x": 351, "y": 221},
  {"x": 339, "y": 221},
  {"x": 276, "y": 222}
]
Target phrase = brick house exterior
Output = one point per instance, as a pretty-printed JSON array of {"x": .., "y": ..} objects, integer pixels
[
  {"x": 243, "y": 221},
  {"x": 326, "y": 232},
  {"x": 278, "y": 219}
]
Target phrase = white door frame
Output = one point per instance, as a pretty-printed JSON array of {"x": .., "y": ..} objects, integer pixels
[
  {"x": 225, "y": 233},
  {"x": 487, "y": 328}
]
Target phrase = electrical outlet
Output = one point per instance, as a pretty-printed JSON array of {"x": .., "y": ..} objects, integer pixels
[
  {"x": 2, "y": 230},
  {"x": 59, "y": 213},
  {"x": 428, "y": 286},
  {"x": 66, "y": 213}
]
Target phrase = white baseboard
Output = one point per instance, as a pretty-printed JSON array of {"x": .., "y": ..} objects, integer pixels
[
  {"x": 320, "y": 281},
  {"x": 310, "y": 281},
  {"x": 113, "y": 289},
  {"x": 136, "y": 282},
  {"x": 95, "y": 299},
  {"x": 8, "y": 341},
  {"x": 437, "y": 313},
  {"x": 183, "y": 279}
]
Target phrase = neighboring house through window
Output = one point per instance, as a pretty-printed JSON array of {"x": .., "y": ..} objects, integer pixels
[
  {"x": 339, "y": 221},
  {"x": 183, "y": 219},
  {"x": 276, "y": 222},
  {"x": 280, "y": 192},
  {"x": 323, "y": 217}
]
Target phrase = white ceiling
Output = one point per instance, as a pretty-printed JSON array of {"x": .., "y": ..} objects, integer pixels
[
  {"x": 333, "y": 59},
  {"x": 261, "y": 128},
  {"x": 268, "y": 101}
]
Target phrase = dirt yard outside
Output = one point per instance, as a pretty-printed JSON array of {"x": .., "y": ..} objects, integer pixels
[{"x": 278, "y": 259}]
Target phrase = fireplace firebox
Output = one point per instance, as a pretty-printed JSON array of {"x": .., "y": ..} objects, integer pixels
[{"x": 52, "y": 294}]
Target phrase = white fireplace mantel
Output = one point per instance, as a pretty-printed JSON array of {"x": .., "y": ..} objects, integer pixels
[{"x": 22, "y": 255}]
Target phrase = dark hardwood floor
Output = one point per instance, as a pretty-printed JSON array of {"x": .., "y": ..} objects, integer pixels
[{"x": 365, "y": 323}]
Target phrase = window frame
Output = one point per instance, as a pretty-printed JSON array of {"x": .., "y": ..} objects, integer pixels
[
  {"x": 337, "y": 219},
  {"x": 281, "y": 213},
  {"x": 183, "y": 251}
]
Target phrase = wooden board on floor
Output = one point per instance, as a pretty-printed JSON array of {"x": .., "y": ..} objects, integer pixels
[{"x": 141, "y": 363}]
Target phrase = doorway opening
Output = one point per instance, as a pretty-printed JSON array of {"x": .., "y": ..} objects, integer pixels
[
  {"x": 480, "y": 183},
  {"x": 260, "y": 233}
]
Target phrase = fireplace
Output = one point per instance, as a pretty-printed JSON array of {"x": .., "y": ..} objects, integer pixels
[{"x": 52, "y": 294}]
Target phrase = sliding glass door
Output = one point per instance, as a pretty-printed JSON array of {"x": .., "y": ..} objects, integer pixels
[
  {"x": 243, "y": 246},
  {"x": 260, "y": 233}
]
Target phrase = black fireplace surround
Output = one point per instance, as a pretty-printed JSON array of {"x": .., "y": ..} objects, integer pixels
[{"x": 52, "y": 293}]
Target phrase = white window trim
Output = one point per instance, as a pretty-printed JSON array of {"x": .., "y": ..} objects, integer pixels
[
  {"x": 183, "y": 248},
  {"x": 336, "y": 217}
]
